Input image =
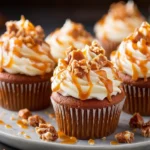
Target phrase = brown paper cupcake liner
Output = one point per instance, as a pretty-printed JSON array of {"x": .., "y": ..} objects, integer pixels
[
  {"x": 138, "y": 100},
  {"x": 109, "y": 46},
  {"x": 16, "y": 96},
  {"x": 87, "y": 123}
]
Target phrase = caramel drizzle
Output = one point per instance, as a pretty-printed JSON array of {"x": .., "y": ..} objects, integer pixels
[
  {"x": 120, "y": 67},
  {"x": 107, "y": 83},
  {"x": 84, "y": 95},
  {"x": 140, "y": 63},
  {"x": 16, "y": 51}
]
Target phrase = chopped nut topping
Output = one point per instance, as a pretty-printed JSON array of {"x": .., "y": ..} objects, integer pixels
[
  {"x": 24, "y": 113},
  {"x": 95, "y": 48},
  {"x": 79, "y": 65},
  {"x": 75, "y": 55},
  {"x": 70, "y": 49},
  {"x": 35, "y": 120},
  {"x": 136, "y": 121},
  {"x": 125, "y": 137},
  {"x": 145, "y": 130},
  {"x": 98, "y": 62},
  {"x": 25, "y": 32},
  {"x": 79, "y": 68},
  {"x": 46, "y": 132}
]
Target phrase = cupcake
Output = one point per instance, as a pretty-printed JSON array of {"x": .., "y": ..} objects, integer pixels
[
  {"x": 121, "y": 20},
  {"x": 86, "y": 93},
  {"x": 132, "y": 59},
  {"x": 71, "y": 34},
  {"x": 26, "y": 66}
]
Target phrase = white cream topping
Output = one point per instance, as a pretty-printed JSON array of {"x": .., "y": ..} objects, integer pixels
[
  {"x": 68, "y": 84},
  {"x": 23, "y": 50},
  {"x": 30, "y": 62},
  {"x": 116, "y": 29},
  {"x": 71, "y": 34},
  {"x": 98, "y": 91},
  {"x": 132, "y": 56}
]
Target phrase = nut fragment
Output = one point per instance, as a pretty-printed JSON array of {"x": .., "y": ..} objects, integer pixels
[
  {"x": 79, "y": 68},
  {"x": 35, "y": 120},
  {"x": 75, "y": 54},
  {"x": 98, "y": 62},
  {"x": 24, "y": 113},
  {"x": 145, "y": 130},
  {"x": 125, "y": 137},
  {"x": 28, "y": 33},
  {"x": 136, "y": 121},
  {"x": 95, "y": 48},
  {"x": 46, "y": 132}
]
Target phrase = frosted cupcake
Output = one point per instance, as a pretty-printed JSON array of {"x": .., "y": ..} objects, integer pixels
[
  {"x": 87, "y": 95},
  {"x": 25, "y": 67},
  {"x": 71, "y": 34},
  {"x": 120, "y": 21},
  {"x": 132, "y": 59}
]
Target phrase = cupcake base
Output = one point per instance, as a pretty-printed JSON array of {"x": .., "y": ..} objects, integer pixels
[
  {"x": 20, "y": 91},
  {"x": 138, "y": 95},
  {"x": 87, "y": 119},
  {"x": 109, "y": 46}
]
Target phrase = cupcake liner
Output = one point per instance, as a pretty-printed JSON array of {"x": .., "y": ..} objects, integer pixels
[
  {"x": 138, "y": 100},
  {"x": 16, "y": 96},
  {"x": 109, "y": 46},
  {"x": 87, "y": 123}
]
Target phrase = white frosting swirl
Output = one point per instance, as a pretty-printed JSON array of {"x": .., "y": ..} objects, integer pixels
[
  {"x": 27, "y": 62},
  {"x": 117, "y": 28},
  {"x": 71, "y": 34},
  {"x": 132, "y": 56},
  {"x": 93, "y": 86},
  {"x": 18, "y": 56}
]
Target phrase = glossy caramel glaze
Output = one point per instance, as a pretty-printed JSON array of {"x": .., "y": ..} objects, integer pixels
[
  {"x": 66, "y": 139},
  {"x": 21, "y": 124}
]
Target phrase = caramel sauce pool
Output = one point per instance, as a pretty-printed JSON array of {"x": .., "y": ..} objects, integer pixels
[
  {"x": 52, "y": 115},
  {"x": 91, "y": 142},
  {"x": 114, "y": 143},
  {"x": 66, "y": 139},
  {"x": 8, "y": 126},
  {"x": 2, "y": 122},
  {"x": 27, "y": 136},
  {"x": 21, "y": 124}
]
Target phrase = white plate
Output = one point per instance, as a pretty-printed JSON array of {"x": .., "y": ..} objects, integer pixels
[{"x": 12, "y": 138}]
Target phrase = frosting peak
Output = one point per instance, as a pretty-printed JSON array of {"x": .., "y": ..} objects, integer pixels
[
  {"x": 121, "y": 10},
  {"x": 23, "y": 49},
  {"x": 121, "y": 20},
  {"x": 71, "y": 33},
  {"x": 133, "y": 54},
  {"x": 86, "y": 74},
  {"x": 24, "y": 30}
]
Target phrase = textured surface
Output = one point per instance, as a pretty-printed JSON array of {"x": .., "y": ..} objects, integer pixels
[
  {"x": 138, "y": 100},
  {"x": 86, "y": 123},
  {"x": 11, "y": 136},
  {"x": 17, "y": 96}
]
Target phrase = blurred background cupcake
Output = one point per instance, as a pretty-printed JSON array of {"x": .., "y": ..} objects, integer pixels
[
  {"x": 132, "y": 59},
  {"x": 71, "y": 34},
  {"x": 87, "y": 94},
  {"x": 26, "y": 66},
  {"x": 121, "y": 20}
]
